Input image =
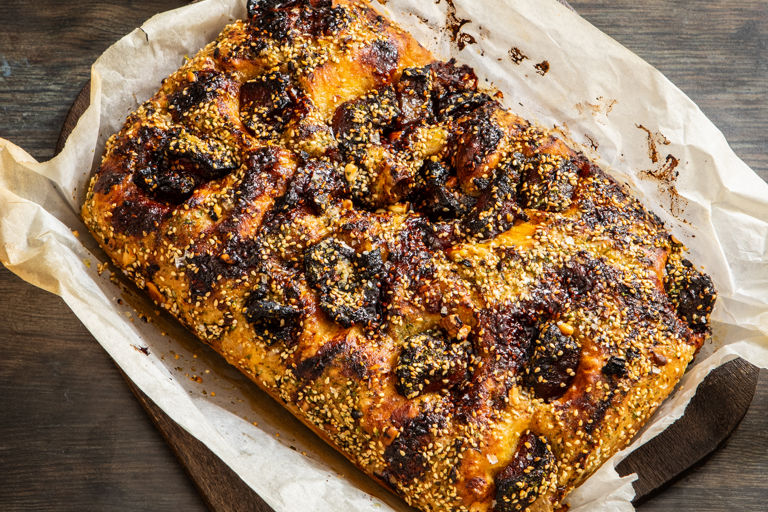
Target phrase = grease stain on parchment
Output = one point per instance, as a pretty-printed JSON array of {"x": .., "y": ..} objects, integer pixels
[
  {"x": 592, "y": 142},
  {"x": 143, "y": 350},
  {"x": 654, "y": 141},
  {"x": 516, "y": 55},
  {"x": 602, "y": 105},
  {"x": 542, "y": 67},
  {"x": 454, "y": 25},
  {"x": 665, "y": 175}
]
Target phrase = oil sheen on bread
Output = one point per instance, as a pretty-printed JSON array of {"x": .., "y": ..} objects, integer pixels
[{"x": 472, "y": 312}]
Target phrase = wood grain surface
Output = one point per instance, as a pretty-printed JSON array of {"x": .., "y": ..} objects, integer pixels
[{"x": 71, "y": 435}]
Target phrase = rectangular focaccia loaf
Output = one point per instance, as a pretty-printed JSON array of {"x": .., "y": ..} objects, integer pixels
[{"x": 469, "y": 310}]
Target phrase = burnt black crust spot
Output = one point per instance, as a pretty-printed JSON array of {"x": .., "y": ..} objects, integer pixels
[
  {"x": 348, "y": 282},
  {"x": 254, "y": 7},
  {"x": 208, "y": 266},
  {"x": 480, "y": 139},
  {"x": 414, "y": 91},
  {"x": 205, "y": 86},
  {"x": 262, "y": 173},
  {"x": 360, "y": 122},
  {"x": 548, "y": 183},
  {"x": 410, "y": 261},
  {"x": 430, "y": 362},
  {"x": 508, "y": 333},
  {"x": 266, "y": 103},
  {"x": 521, "y": 482},
  {"x": 316, "y": 184},
  {"x": 313, "y": 367},
  {"x": 497, "y": 209},
  {"x": 283, "y": 19},
  {"x": 207, "y": 158},
  {"x": 108, "y": 178},
  {"x": 336, "y": 20},
  {"x": 615, "y": 367},
  {"x": 691, "y": 292},
  {"x": 204, "y": 270},
  {"x": 597, "y": 412},
  {"x": 355, "y": 364},
  {"x": 579, "y": 275},
  {"x": 138, "y": 216},
  {"x": 272, "y": 318},
  {"x": 383, "y": 56},
  {"x": 553, "y": 364},
  {"x": 437, "y": 192},
  {"x": 405, "y": 457},
  {"x": 182, "y": 163},
  {"x": 170, "y": 185},
  {"x": 459, "y": 104}
]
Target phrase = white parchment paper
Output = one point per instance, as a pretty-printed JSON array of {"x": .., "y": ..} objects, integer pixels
[{"x": 595, "y": 92}]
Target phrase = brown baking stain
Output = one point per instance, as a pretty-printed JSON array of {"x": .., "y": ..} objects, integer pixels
[
  {"x": 653, "y": 152},
  {"x": 602, "y": 106},
  {"x": 666, "y": 177},
  {"x": 667, "y": 172},
  {"x": 465, "y": 39},
  {"x": 542, "y": 67},
  {"x": 424, "y": 20},
  {"x": 592, "y": 143},
  {"x": 564, "y": 131},
  {"x": 143, "y": 350},
  {"x": 654, "y": 140},
  {"x": 454, "y": 25},
  {"x": 517, "y": 56}
]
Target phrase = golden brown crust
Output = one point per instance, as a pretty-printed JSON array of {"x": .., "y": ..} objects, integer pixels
[{"x": 469, "y": 310}]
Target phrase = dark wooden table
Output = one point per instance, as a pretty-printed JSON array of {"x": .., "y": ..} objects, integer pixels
[{"x": 72, "y": 436}]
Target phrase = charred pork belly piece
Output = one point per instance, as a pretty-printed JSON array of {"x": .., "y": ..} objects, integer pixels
[
  {"x": 360, "y": 122},
  {"x": 548, "y": 182},
  {"x": 553, "y": 365},
  {"x": 204, "y": 86},
  {"x": 479, "y": 149},
  {"x": 497, "y": 209},
  {"x": 317, "y": 184},
  {"x": 692, "y": 293},
  {"x": 271, "y": 316},
  {"x": 521, "y": 482},
  {"x": 430, "y": 362},
  {"x": 407, "y": 456},
  {"x": 449, "y": 78},
  {"x": 266, "y": 103},
  {"x": 348, "y": 282},
  {"x": 377, "y": 175},
  {"x": 184, "y": 162},
  {"x": 414, "y": 92},
  {"x": 285, "y": 20},
  {"x": 437, "y": 192}
]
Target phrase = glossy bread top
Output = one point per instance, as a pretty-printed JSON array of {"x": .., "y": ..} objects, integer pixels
[{"x": 468, "y": 309}]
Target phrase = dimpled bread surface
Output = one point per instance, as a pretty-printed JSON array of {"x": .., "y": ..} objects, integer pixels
[{"x": 472, "y": 312}]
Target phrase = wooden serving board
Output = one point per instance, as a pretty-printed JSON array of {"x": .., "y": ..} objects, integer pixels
[{"x": 718, "y": 407}]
